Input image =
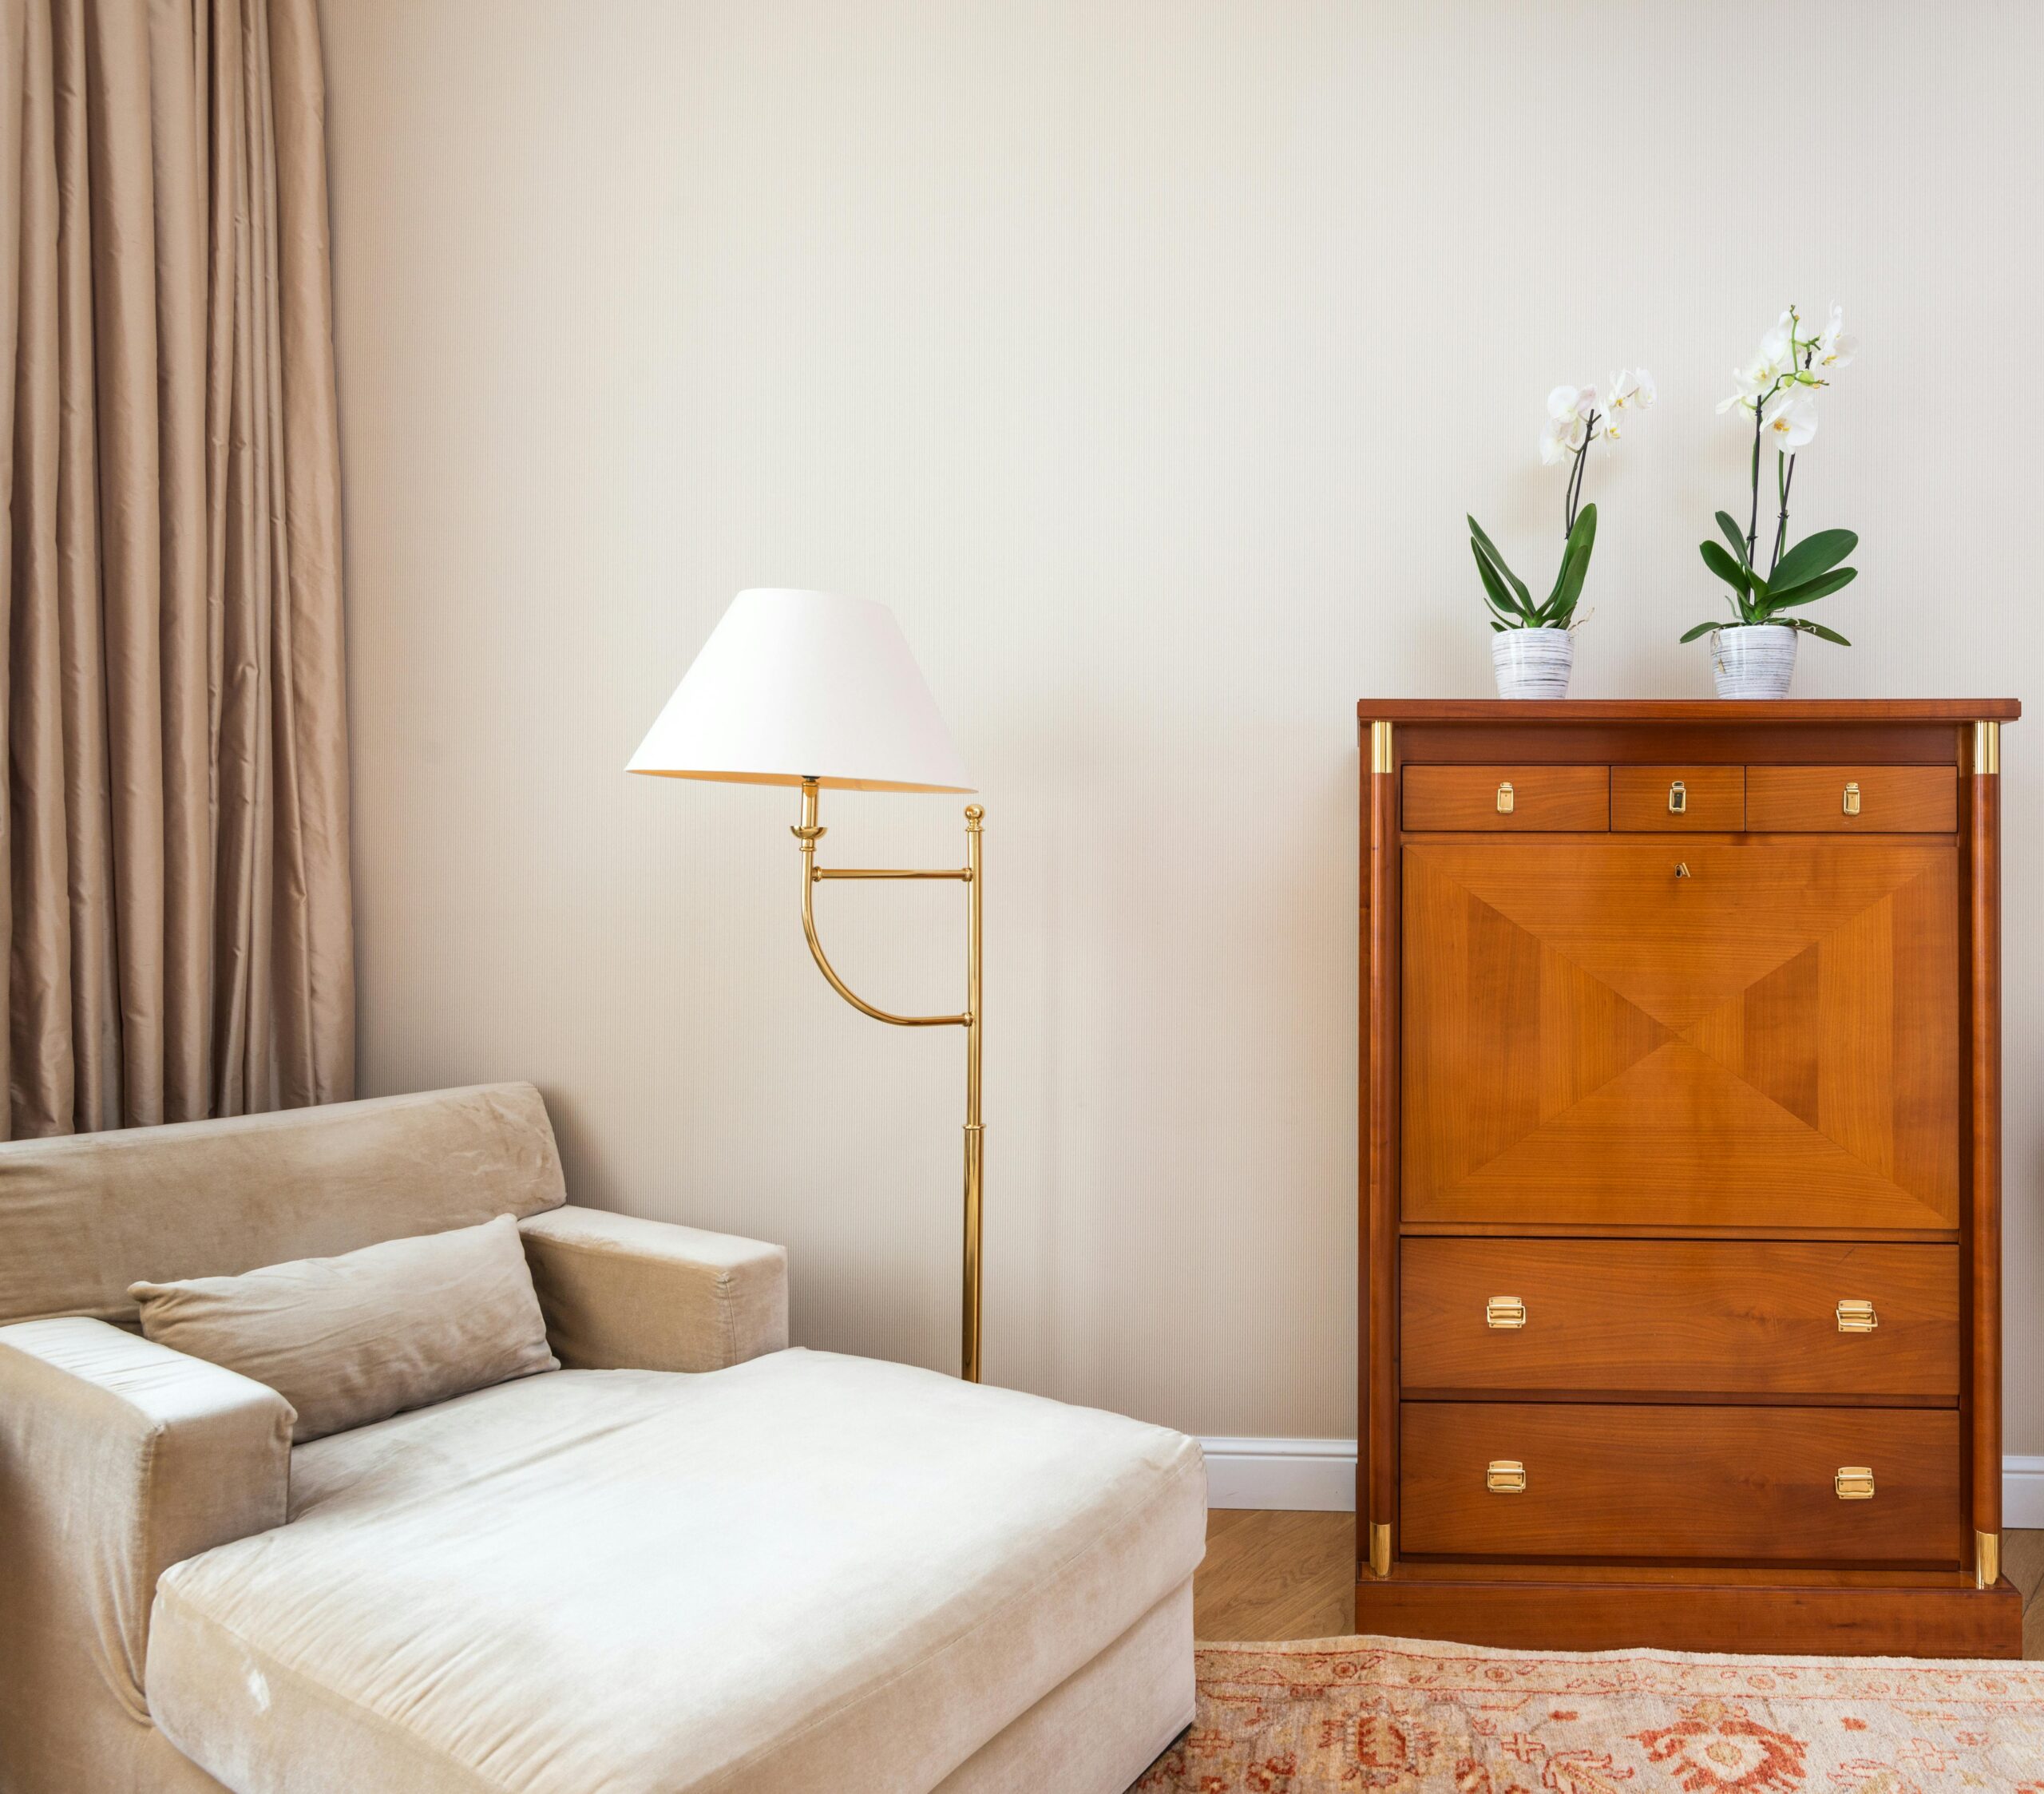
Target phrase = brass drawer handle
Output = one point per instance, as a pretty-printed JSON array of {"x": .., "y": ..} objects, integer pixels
[
  {"x": 1504, "y": 1311},
  {"x": 1854, "y": 1482},
  {"x": 1853, "y": 797},
  {"x": 1506, "y": 798},
  {"x": 1508, "y": 1476},
  {"x": 1857, "y": 1318},
  {"x": 1679, "y": 798}
]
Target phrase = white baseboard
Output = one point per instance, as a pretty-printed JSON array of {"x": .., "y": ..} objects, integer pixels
[
  {"x": 1320, "y": 1474},
  {"x": 2022, "y": 1491},
  {"x": 1317, "y": 1475}
]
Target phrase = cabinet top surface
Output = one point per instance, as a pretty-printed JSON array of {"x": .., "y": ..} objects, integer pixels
[{"x": 1731, "y": 712}]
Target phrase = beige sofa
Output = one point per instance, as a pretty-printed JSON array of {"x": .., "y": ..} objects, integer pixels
[{"x": 689, "y": 1559}]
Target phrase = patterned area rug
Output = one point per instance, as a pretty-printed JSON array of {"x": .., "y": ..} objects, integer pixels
[{"x": 1412, "y": 1717}]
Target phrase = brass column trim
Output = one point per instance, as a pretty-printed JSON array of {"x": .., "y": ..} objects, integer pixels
[
  {"x": 1987, "y": 748},
  {"x": 1381, "y": 1541},
  {"x": 808, "y": 832},
  {"x": 1986, "y": 1558},
  {"x": 1381, "y": 747}
]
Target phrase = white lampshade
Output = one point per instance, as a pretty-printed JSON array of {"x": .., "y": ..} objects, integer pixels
[{"x": 795, "y": 685}]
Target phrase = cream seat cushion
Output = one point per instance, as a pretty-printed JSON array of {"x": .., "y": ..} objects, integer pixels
[{"x": 805, "y": 1572}]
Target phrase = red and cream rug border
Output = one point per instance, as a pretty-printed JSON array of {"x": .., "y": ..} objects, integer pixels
[{"x": 1422, "y": 1716}]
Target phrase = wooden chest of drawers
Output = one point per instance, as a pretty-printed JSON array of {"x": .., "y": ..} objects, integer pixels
[{"x": 1680, "y": 1179}]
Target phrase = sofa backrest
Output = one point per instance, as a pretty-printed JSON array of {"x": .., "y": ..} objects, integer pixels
[{"x": 84, "y": 1215}]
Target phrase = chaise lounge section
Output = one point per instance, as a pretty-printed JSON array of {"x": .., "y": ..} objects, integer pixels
[{"x": 690, "y": 1559}]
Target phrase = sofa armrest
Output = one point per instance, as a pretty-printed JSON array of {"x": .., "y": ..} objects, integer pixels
[
  {"x": 623, "y": 1293},
  {"x": 118, "y": 1458}
]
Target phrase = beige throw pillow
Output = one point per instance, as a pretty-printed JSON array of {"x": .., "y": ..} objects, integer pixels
[{"x": 358, "y": 1338}]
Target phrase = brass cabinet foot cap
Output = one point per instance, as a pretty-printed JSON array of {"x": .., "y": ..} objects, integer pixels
[{"x": 1380, "y": 1550}]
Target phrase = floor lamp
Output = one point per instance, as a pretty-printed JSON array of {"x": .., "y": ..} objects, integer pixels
[{"x": 810, "y": 689}]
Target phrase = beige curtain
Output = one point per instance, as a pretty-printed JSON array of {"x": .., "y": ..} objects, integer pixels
[{"x": 175, "y": 912}]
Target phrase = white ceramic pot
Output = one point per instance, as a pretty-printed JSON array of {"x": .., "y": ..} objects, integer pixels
[
  {"x": 1533, "y": 662},
  {"x": 1753, "y": 659}
]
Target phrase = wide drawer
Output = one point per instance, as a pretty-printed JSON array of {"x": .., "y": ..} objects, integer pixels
[
  {"x": 1568, "y": 799},
  {"x": 1872, "y": 800},
  {"x": 1723, "y": 1317},
  {"x": 1528, "y": 1479}
]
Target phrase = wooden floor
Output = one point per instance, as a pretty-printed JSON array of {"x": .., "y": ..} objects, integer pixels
[{"x": 1274, "y": 1575}]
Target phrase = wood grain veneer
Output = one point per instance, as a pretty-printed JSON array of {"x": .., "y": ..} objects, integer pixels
[
  {"x": 1668, "y": 1080},
  {"x": 1753, "y": 1484},
  {"x": 1593, "y": 1035},
  {"x": 1892, "y": 799},
  {"x": 1572, "y": 797},
  {"x": 1642, "y": 1317}
]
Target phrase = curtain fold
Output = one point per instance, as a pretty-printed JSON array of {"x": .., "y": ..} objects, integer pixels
[{"x": 175, "y": 910}]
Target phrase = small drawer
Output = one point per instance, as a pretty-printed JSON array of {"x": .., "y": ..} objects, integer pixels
[
  {"x": 1758, "y": 1485},
  {"x": 1731, "y": 1319},
  {"x": 1877, "y": 800},
  {"x": 1567, "y": 799},
  {"x": 1672, "y": 798}
]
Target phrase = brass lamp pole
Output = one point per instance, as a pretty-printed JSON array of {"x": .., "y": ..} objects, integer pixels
[
  {"x": 814, "y": 688},
  {"x": 808, "y": 832}
]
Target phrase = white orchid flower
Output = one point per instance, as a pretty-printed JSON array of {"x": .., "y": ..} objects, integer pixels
[
  {"x": 1565, "y": 403},
  {"x": 1563, "y": 437},
  {"x": 1629, "y": 391},
  {"x": 1835, "y": 348},
  {"x": 1752, "y": 380},
  {"x": 1789, "y": 420}
]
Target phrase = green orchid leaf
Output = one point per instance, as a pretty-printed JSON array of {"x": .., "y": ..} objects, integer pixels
[
  {"x": 1498, "y": 560},
  {"x": 1701, "y": 629},
  {"x": 1810, "y": 590},
  {"x": 1814, "y": 554},
  {"x": 1725, "y": 567},
  {"x": 1576, "y": 565},
  {"x": 1498, "y": 626},
  {"x": 1500, "y": 600},
  {"x": 1726, "y": 522},
  {"x": 1810, "y": 628}
]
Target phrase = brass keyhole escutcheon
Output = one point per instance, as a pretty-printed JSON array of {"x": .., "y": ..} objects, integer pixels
[
  {"x": 1508, "y": 1476},
  {"x": 1506, "y": 798},
  {"x": 1679, "y": 798},
  {"x": 1851, "y": 799},
  {"x": 1857, "y": 1317},
  {"x": 1682, "y": 869},
  {"x": 1854, "y": 1482}
]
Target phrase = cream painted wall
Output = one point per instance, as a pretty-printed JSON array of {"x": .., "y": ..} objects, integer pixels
[{"x": 1144, "y": 356}]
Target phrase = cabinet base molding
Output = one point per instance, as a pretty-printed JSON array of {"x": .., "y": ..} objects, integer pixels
[{"x": 1958, "y": 1621}]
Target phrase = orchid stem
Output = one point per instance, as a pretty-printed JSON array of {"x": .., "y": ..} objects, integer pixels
[
  {"x": 1575, "y": 494},
  {"x": 1784, "y": 474},
  {"x": 1753, "y": 522}
]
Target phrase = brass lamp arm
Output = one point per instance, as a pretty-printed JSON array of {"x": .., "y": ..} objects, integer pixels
[{"x": 812, "y": 874}]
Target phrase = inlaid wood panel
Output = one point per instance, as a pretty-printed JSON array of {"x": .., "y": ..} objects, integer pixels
[
  {"x": 1539, "y": 797},
  {"x": 1866, "y": 800},
  {"x": 1711, "y": 798},
  {"x": 1681, "y": 1031},
  {"x": 1729, "y": 1318},
  {"x": 1754, "y": 1484}
]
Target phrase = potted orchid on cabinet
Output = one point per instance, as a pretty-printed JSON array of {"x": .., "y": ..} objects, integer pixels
[
  {"x": 1533, "y": 644},
  {"x": 1754, "y": 655}
]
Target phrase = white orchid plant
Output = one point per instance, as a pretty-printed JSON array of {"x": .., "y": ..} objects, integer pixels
[
  {"x": 1577, "y": 417},
  {"x": 1777, "y": 389}
]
